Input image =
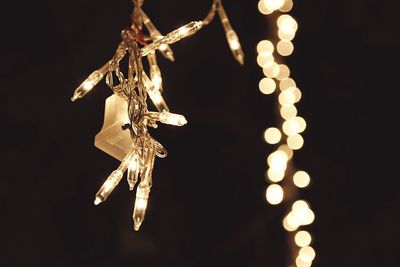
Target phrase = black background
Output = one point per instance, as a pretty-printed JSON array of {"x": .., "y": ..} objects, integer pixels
[{"x": 207, "y": 205}]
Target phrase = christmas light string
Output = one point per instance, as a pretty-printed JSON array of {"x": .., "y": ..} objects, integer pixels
[
  {"x": 285, "y": 181},
  {"x": 125, "y": 133}
]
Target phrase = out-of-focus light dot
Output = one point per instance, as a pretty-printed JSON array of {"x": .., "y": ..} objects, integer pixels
[
  {"x": 287, "y": 150},
  {"x": 287, "y": 24},
  {"x": 275, "y": 176},
  {"x": 285, "y": 48},
  {"x": 272, "y": 135},
  {"x": 300, "y": 263},
  {"x": 308, "y": 218},
  {"x": 293, "y": 221},
  {"x": 301, "y": 179},
  {"x": 265, "y": 60},
  {"x": 302, "y": 238},
  {"x": 274, "y": 4},
  {"x": 307, "y": 254},
  {"x": 288, "y": 227},
  {"x": 286, "y": 36},
  {"x": 287, "y": 6},
  {"x": 277, "y": 161},
  {"x": 274, "y": 194},
  {"x": 296, "y": 92},
  {"x": 300, "y": 204},
  {"x": 290, "y": 127},
  {"x": 295, "y": 141},
  {"x": 267, "y": 86},
  {"x": 265, "y": 46},
  {"x": 263, "y": 9},
  {"x": 301, "y": 123},
  {"x": 288, "y": 112},
  {"x": 286, "y": 98},
  {"x": 286, "y": 83},
  {"x": 271, "y": 71},
  {"x": 284, "y": 72}
]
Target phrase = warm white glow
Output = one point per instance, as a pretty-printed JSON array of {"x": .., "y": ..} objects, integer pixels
[
  {"x": 263, "y": 9},
  {"x": 173, "y": 119},
  {"x": 286, "y": 83},
  {"x": 272, "y": 135},
  {"x": 285, "y": 48},
  {"x": 271, "y": 71},
  {"x": 301, "y": 122},
  {"x": 273, "y": 4},
  {"x": 284, "y": 72},
  {"x": 288, "y": 227},
  {"x": 290, "y": 127},
  {"x": 274, "y": 194},
  {"x": 265, "y": 47},
  {"x": 296, "y": 92},
  {"x": 285, "y": 36},
  {"x": 309, "y": 217},
  {"x": 287, "y": 24},
  {"x": 287, "y": 150},
  {"x": 302, "y": 238},
  {"x": 286, "y": 98},
  {"x": 295, "y": 141},
  {"x": 277, "y": 161},
  {"x": 292, "y": 221},
  {"x": 267, "y": 86},
  {"x": 288, "y": 112},
  {"x": 301, "y": 179},
  {"x": 275, "y": 176},
  {"x": 287, "y": 6},
  {"x": 300, "y": 263},
  {"x": 307, "y": 254},
  {"x": 265, "y": 60}
]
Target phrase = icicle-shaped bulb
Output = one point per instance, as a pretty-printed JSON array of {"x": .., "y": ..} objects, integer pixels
[
  {"x": 133, "y": 172},
  {"x": 155, "y": 95},
  {"x": 173, "y": 36},
  {"x": 167, "y": 118},
  {"x": 108, "y": 186},
  {"x": 139, "y": 211},
  {"x": 234, "y": 44},
  {"x": 90, "y": 82}
]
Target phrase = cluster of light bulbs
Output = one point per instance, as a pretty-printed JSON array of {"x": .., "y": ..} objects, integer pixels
[
  {"x": 284, "y": 180},
  {"x": 125, "y": 134}
]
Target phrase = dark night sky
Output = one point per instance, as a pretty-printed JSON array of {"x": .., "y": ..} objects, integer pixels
[{"x": 206, "y": 206}]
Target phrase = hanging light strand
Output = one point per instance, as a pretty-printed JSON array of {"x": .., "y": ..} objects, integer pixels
[
  {"x": 130, "y": 91},
  {"x": 285, "y": 180}
]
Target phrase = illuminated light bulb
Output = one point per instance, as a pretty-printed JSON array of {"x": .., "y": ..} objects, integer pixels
[
  {"x": 286, "y": 36},
  {"x": 265, "y": 46},
  {"x": 285, "y": 48},
  {"x": 286, "y": 98},
  {"x": 300, "y": 204},
  {"x": 287, "y": 6},
  {"x": 265, "y": 60},
  {"x": 273, "y": 4},
  {"x": 287, "y": 150},
  {"x": 300, "y": 263},
  {"x": 288, "y": 112},
  {"x": 108, "y": 186},
  {"x": 309, "y": 217},
  {"x": 133, "y": 172},
  {"x": 291, "y": 127},
  {"x": 288, "y": 227},
  {"x": 173, "y": 119},
  {"x": 172, "y": 37},
  {"x": 267, "y": 86},
  {"x": 286, "y": 83},
  {"x": 301, "y": 179},
  {"x": 301, "y": 122},
  {"x": 155, "y": 72},
  {"x": 274, "y": 194},
  {"x": 300, "y": 211},
  {"x": 307, "y": 254},
  {"x": 302, "y": 238},
  {"x": 90, "y": 82},
  {"x": 272, "y": 135},
  {"x": 295, "y": 141},
  {"x": 271, "y": 71},
  {"x": 234, "y": 44},
  {"x": 263, "y": 9},
  {"x": 287, "y": 24},
  {"x": 284, "y": 72},
  {"x": 139, "y": 211},
  {"x": 154, "y": 94},
  {"x": 165, "y": 49},
  {"x": 275, "y": 176}
]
